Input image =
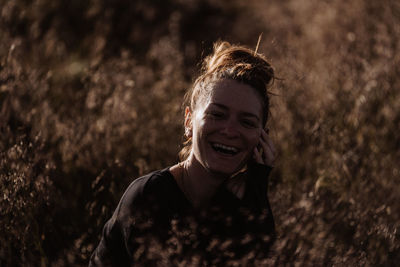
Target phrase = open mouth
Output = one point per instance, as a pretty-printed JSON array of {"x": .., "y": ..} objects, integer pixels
[{"x": 224, "y": 149}]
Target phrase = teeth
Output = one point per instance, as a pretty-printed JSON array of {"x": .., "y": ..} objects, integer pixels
[{"x": 228, "y": 148}]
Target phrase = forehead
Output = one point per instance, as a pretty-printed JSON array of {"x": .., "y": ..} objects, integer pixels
[{"x": 235, "y": 96}]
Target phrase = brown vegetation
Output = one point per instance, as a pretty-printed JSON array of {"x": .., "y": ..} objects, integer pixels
[{"x": 90, "y": 98}]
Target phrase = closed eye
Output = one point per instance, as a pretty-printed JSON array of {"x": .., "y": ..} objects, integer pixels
[
  {"x": 249, "y": 123},
  {"x": 215, "y": 114}
]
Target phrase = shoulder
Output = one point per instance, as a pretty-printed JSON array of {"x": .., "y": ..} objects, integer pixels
[
  {"x": 144, "y": 189},
  {"x": 151, "y": 183},
  {"x": 128, "y": 216}
]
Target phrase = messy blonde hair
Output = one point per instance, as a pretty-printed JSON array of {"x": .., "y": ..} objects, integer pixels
[{"x": 236, "y": 63}]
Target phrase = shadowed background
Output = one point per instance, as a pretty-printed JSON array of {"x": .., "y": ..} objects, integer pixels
[{"x": 90, "y": 99}]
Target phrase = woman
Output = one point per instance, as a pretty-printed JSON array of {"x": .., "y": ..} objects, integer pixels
[{"x": 212, "y": 207}]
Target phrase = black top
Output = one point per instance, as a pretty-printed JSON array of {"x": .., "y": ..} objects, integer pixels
[{"x": 155, "y": 224}]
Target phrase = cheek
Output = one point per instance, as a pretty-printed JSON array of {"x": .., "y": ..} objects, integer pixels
[
  {"x": 205, "y": 126},
  {"x": 253, "y": 139},
  {"x": 200, "y": 132}
]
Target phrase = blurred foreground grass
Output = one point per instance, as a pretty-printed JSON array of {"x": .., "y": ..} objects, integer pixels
[{"x": 90, "y": 98}]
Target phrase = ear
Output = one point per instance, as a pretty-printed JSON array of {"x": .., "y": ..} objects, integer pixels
[{"x": 188, "y": 122}]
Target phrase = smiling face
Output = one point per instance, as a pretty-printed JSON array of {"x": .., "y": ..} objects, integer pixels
[{"x": 226, "y": 126}]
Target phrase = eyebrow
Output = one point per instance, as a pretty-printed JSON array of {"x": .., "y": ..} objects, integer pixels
[{"x": 247, "y": 114}]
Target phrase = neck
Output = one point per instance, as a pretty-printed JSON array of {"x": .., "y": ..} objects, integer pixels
[{"x": 200, "y": 184}]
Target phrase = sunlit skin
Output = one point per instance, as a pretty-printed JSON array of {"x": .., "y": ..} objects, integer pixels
[{"x": 229, "y": 118}]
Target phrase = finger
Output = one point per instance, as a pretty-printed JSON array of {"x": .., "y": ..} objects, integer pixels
[
  {"x": 268, "y": 155},
  {"x": 267, "y": 139},
  {"x": 269, "y": 150},
  {"x": 269, "y": 158},
  {"x": 257, "y": 156}
]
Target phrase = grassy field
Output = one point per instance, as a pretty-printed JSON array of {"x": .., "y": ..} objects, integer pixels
[{"x": 90, "y": 99}]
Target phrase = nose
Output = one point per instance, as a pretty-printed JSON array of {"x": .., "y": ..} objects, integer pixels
[{"x": 230, "y": 129}]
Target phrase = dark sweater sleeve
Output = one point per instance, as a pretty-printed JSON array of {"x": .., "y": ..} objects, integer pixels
[
  {"x": 113, "y": 249},
  {"x": 259, "y": 182}
]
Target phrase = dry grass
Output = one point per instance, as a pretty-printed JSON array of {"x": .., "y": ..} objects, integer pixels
[{"x": 90, "y": 96}]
